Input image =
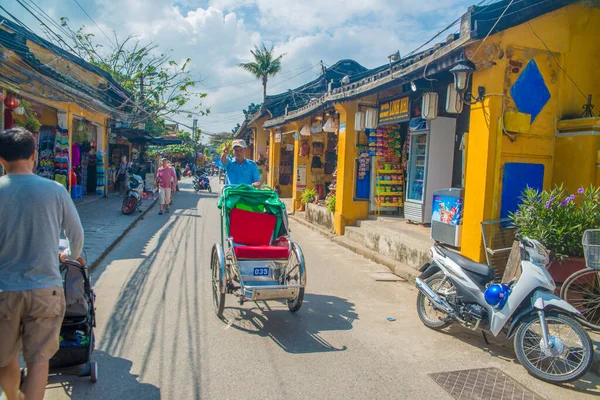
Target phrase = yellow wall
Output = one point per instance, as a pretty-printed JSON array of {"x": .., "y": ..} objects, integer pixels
[
  {"x": 499, "y": 62},
  {"x": 347, "y": 210},
  {"x": 577, "y": 158}
]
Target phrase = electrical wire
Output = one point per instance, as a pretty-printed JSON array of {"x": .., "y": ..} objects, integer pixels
[
  {"x": 91, "y": 19},
  {"x": 556, "y": 61},
  {"x": 494, "y": 26}
]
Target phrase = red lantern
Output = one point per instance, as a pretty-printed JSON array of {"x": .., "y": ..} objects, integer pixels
[{"x": 11, "y": 102}]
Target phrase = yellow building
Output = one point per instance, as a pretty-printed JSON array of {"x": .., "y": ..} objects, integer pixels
[
  {"x": 64, "y": 94},
  {"x": 517, "y": 123},
  {"x": 528, "y": 129}
]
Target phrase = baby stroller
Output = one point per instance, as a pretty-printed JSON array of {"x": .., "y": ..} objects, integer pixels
[
  {"x": 77, "y": 339},
  {"x": 77, "y": 331}
]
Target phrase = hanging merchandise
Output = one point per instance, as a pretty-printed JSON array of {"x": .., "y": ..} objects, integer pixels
[
  {"x": 389, "y": 181},
  {"x": 100, "y": 173},
  {"x": 304, "y": 149},
  {"x": 364, "y": 162},
  {"x": 61, "y": 147},
  {"x": 46, "y": 158}
]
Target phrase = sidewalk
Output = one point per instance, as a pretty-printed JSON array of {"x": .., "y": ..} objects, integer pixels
[{"x": 104, "y": 224}]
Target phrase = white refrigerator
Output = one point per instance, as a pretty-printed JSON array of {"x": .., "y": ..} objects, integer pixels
[{"x": 430, "y": 164}]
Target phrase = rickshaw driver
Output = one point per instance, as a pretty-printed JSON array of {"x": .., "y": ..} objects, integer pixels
[{"x": 239, "y": 169}]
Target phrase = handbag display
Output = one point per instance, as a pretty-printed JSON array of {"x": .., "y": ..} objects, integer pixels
[
  {"x": 304, "y": 149},
  {"x": 329, "y": 168},
  {"x": 316, "y": 162},
  {"x": 318, "y": 148},
  {"x": 331, "y": 142},
  {"x": 330, "y": 157}
]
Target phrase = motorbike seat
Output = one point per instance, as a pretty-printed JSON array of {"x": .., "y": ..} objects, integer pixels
[{"x": 480, "y": 273}]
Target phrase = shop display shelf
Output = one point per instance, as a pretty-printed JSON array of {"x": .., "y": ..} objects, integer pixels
[
  {"x": 390, "y": 183},
  {"x": 390, "y": 171}
]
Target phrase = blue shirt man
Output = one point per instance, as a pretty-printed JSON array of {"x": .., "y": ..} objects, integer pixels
[{"x": 239, "y": 169}]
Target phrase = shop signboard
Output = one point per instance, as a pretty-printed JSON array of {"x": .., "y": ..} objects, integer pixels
[
  {"x": 301, "y": 177},
  {"x": 394, "y": 111},
  {"x": 278, "y": 137},
  {"x": 343, "y": 127},
  {"x": 150, "y": 182},
  {"x": 447, "y": 210}
]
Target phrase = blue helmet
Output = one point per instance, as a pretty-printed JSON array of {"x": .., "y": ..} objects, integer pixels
[{"x": 497, "y": 294}]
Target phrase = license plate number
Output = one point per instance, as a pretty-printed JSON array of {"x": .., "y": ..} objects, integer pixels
[{"x": 262, "y": 271}]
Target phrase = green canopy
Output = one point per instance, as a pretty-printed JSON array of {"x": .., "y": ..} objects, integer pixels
[{"x": 249, "y": 198}]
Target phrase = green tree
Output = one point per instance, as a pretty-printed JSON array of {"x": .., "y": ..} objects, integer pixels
[
  {"x": 263, "y": 66},
  {"x": 251, "y": 110},
  {"x": 218, "y": 139},
  {"x": 161, "y": 86}
]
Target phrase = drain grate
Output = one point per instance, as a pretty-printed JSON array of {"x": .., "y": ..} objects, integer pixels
[{"x": 483, "y": 384}]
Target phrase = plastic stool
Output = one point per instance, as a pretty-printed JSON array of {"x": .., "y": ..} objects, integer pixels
[{"x": 76, "y": 192}]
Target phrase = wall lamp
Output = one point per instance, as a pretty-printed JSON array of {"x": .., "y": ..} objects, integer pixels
[{"x": 462, "y": 71}]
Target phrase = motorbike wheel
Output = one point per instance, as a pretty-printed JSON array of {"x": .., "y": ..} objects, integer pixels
[
  {"x": 209, "y": 189},
  {"x": 128, "y": 205},
  {"x": 431, "y": 317},
  {"x": 568, "y": 360}
]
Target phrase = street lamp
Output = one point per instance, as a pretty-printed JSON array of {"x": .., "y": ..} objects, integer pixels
[{"x": 462, "y": 71}]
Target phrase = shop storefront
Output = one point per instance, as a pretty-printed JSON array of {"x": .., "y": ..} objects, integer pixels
[
  {"x": 117, "y": 148},
  {"x": 88, "y": 174}
]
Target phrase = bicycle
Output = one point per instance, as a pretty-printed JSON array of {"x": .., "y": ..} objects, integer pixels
[{"x": 582, "y": 289}]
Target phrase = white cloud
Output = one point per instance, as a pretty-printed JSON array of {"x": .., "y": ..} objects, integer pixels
[{"x": 217, "y": 34}]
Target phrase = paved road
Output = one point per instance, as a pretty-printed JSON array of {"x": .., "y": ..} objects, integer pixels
[{"x": 159, "y": 338}]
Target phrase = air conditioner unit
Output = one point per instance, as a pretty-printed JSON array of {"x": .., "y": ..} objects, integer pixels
[
  {"x": 430, "y": 105},
  {"x": 371, "y": 118},
  {"x": 359, "y": 121},
  {"x": 454, "y": 104}
]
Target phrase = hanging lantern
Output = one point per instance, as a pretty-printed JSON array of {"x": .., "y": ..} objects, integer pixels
[
  {"x": 19, "y": 110},
  {"x": 330, "y": 125},
  {"x": 11, "y": 102}
]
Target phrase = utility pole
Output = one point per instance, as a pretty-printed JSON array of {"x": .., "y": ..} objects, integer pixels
[
  {"x": 194, "y": 128},
  {"x": 141, "y": 88}
]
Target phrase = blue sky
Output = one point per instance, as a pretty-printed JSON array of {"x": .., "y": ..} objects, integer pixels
[{"x": 217, "y": 34}]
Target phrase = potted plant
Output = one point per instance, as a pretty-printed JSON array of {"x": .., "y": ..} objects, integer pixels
[
  {"x": 330, "y": 203},
  {"x": 308, "y": 196},
  {"x": 558, "y": 220},
  {"x": 31, "y": 122}
]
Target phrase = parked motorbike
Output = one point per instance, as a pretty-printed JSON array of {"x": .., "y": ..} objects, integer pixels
[
  {"x": 134, "y": 196},
  {"x": 202, "y": 183},
  {"x": 548, "y": 342}
]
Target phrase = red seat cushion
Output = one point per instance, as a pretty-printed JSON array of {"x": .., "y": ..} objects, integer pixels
[
  {"x": 261, "y": 252},
  {"x": 251, "y": 228}
]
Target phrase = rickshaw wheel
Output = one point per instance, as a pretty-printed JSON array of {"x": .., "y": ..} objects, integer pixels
[
  {"x": 217, "y": 278},
  {"x": 295, "y": 304}
]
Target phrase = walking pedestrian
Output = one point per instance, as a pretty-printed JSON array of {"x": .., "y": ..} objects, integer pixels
[
  {"x": 164, "y": 176},
  {"x": 32, "y": 304},
  {"x": 122, "y": 176}
]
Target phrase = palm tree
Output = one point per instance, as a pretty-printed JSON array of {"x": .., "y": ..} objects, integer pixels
[{"x": 263, "y": 66}]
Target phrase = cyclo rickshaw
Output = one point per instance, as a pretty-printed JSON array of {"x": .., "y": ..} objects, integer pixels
[{"x": 256, "y": 259}]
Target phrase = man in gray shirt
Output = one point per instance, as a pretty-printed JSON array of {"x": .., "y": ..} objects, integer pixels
[{"x": 33, "y": 212}]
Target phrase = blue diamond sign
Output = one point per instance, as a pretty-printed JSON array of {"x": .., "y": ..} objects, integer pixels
[{"x": 530, "y": 92}]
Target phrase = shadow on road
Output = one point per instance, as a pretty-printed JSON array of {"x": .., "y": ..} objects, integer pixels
[
  {"x": 143, "y": 298},
  {"x": 114, "y": 377},
  {"x": 502, "y": 348},
  {"x": 297, "y": 333}
]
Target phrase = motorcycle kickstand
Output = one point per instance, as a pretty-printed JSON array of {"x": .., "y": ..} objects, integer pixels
[{"x": 485, "y": 337}]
